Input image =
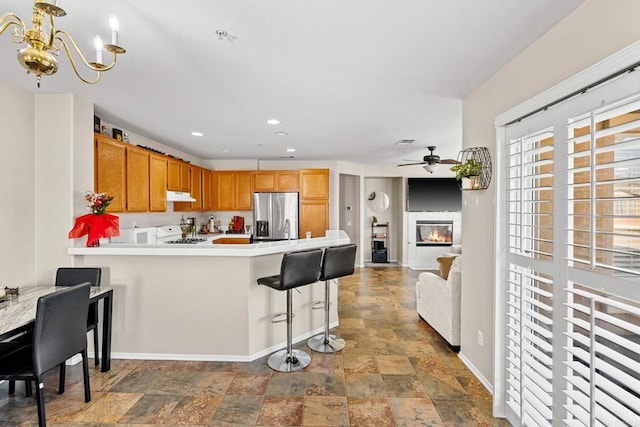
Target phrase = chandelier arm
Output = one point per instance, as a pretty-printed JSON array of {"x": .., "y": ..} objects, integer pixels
[
  {"x": 73, "y": 63},
  {"x": 91, "y": 65},
  {"x": 6, "y": 21}
]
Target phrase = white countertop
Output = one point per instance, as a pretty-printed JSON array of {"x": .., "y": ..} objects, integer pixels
[{"x": 333, "y": 237}]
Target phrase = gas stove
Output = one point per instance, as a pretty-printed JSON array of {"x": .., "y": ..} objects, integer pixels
[
  {"x": 172, "y": 235},
  {"x": 187, "y": 241}
]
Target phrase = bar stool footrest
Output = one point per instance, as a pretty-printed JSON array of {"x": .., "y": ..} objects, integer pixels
[{"x": 281, "y": 317}]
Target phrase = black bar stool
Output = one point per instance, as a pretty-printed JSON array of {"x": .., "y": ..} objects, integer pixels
[
  {"x": 338, "y": 261},
  {"x": 298, "y": 268}
]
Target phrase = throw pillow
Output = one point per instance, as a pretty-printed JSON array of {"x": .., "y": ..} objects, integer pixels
[{"x": 445, "y": 265}]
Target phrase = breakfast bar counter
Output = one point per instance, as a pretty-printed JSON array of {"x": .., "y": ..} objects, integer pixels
[{"x": 202, "y": 302}]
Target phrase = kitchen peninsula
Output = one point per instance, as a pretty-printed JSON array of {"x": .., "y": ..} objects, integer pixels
[{"x": 202, "y": 302}]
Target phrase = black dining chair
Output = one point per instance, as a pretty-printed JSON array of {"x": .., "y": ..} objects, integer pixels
[
  {"x": 69, "y": 276},
  {"x": 59, "y": 333}
]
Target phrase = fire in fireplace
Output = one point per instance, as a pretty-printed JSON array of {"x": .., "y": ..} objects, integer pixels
[{"x": 434, "y": 233}]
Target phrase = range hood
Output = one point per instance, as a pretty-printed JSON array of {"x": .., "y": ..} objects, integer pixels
[{"x": 179, "y": 196}]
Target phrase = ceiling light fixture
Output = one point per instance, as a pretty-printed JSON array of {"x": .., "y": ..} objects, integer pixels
[
  {"x": 273, "y": 122},
  {"x": 431, "y": 168},
  {"x": 281, "y": 133},
  {"x": 45, "y": 42},
  {"x": 226, "y": 150},
  {"x": 197, "y": 133},
  {"x": 291, "y": 150}
]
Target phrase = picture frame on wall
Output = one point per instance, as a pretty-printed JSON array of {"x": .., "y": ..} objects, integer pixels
[{"x": 96, "y": 124}]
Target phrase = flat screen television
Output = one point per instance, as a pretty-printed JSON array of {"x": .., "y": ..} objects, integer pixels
[{"x": 433, "y": 195}]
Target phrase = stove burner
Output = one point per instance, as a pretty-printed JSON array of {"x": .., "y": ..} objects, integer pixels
[{"x": 187, "y": 241}]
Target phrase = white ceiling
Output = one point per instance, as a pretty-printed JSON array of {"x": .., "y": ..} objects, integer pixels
[{"x": 347, "y": 78}]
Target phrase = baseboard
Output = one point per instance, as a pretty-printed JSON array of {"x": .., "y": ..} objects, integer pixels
[
  {"x": 216, "y": 357},
  {"x": 475, "y": 371}
]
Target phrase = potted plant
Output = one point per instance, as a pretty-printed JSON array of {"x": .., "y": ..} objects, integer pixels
[
  {"x": 467, "y": 173},
  {"x": 374, "y": 220}
]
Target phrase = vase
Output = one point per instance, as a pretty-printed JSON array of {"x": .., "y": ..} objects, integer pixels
[{"x": 95, "y": 244}]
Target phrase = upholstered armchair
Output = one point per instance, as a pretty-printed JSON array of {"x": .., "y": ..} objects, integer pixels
[{"x": 438, "y": 302}]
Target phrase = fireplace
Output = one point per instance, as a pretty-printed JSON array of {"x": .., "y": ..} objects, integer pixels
[{"x": 434, "y": 233}]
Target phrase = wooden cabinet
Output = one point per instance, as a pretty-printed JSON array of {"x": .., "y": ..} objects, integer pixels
[
  {"x": 157, "y": 183},
  {"x": 270, "y": 181},
  {"x": 207, "y": 190},
  {"x": 314, "y": 201},
  {"x": 195, "y": 178},
  {"x": 178, "y": 176},
  {"x": 110, "y": 171},
  {"x": 232, "y": 190},
  {"x": 137, "y": 179}
]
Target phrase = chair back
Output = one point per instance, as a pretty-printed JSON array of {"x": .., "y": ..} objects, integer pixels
[
  {"x": 300, "y": 268},
  {"x": 69, "y": 276},
  {"x": 60, "y": 329},
  {"x": 338, "y": 261}
]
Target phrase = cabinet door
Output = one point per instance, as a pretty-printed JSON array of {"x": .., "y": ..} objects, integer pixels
[
  {"x": 314, "y": 184},
  {"x": 157, "y": 183},
  {"x": 137, "y": 180},
  {"x": 288, "y": 181},
  {"x": 314, "y": 217},
  {"x": 223, "y": 190},
  {"x": 196, "y": 188},
  {"x": 110, "y": 171},
  {"x": 265, "y": 181},
  {"x": 207, "y": 187},
  {"x": 173, "y": 175},
  {"x": 243, "y": 191},
  {"x": 185, "y": 177}
]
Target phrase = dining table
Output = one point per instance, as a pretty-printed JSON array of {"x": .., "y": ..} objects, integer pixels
[{"x": 18, "y": 313}]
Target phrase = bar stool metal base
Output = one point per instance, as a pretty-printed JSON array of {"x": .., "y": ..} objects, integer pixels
[
  {"x": 281, "y": 360},
  {"x": 321, "y": 344}
]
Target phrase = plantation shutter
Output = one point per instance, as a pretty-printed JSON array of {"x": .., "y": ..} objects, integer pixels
[{"x": 569, "y": 281}]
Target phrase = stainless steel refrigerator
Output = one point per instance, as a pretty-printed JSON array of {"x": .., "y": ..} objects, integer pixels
[{"x": 275, "y": 216}]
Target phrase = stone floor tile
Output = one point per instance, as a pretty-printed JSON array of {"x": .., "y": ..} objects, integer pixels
[
  {"x": 411, "y": 412},
  {"x": 281, "y": 411},
  {"x": 326, "y": 411},
  {"x": 370, "y": 412}
]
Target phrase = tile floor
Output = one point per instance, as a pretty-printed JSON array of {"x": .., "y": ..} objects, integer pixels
[{"x": 395, "y": 371}]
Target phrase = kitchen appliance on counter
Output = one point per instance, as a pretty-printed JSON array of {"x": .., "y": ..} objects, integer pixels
[
  {"x": 236, "y": 226},
  {"x": 275, "y": 216}
]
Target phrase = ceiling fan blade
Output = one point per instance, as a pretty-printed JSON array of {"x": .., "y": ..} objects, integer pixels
[
  {"x": 449, "y": 162},
  {"x": 411, "y": 164}
]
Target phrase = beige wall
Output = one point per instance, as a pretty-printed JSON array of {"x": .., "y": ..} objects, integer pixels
[
  {"x": 593, "y": 32},
  {"x": 17, "y": 187}
]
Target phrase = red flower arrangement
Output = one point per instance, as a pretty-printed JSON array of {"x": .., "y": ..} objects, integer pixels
[{"x": 98, "y": 224}]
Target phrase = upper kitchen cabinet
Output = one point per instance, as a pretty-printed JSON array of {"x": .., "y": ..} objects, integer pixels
[
  {"x": 195, "y": 184},
  {"x": 275, "y": 181},
  {"x": 110, "y": 171},
  {"x": 157, "y": 183},
  {"x": 207, "y": 190},
  {"x": 137, "y": 179},
  {"x": 178, "y": 175},
  {"x": 314, "y": 201},
  {"x": 314, "y": 184},
  {"x": 232, "y": 190}
]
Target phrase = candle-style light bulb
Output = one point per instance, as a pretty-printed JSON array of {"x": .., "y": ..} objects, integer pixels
[
  {"x": 99, "y": 46},
  {"x": 114, "y": 24}
]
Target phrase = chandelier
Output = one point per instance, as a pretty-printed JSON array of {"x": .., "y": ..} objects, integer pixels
[{"x": 45, "y": 42}]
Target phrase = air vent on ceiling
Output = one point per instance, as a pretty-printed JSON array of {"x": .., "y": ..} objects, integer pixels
[
  {"x": 287, "y": 157},
  {"x": 405, "y": 141}
]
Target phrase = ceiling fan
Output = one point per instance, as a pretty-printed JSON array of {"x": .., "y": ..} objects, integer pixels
[{"x": 431, "y": 161}]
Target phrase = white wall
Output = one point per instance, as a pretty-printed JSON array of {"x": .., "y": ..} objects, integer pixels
[
  {"x": 594, "y": 31},
  {"x": 17, "y": 187}
]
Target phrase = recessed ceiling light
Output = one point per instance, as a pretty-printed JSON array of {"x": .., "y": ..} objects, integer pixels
[
  {"x": 291, "y": 150},
  {"x": 226, "y": 150},
  {"x": 194, "y": 133},
  {"x": 273, "y": 122},
  {"x": 281, "y": 133}
]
